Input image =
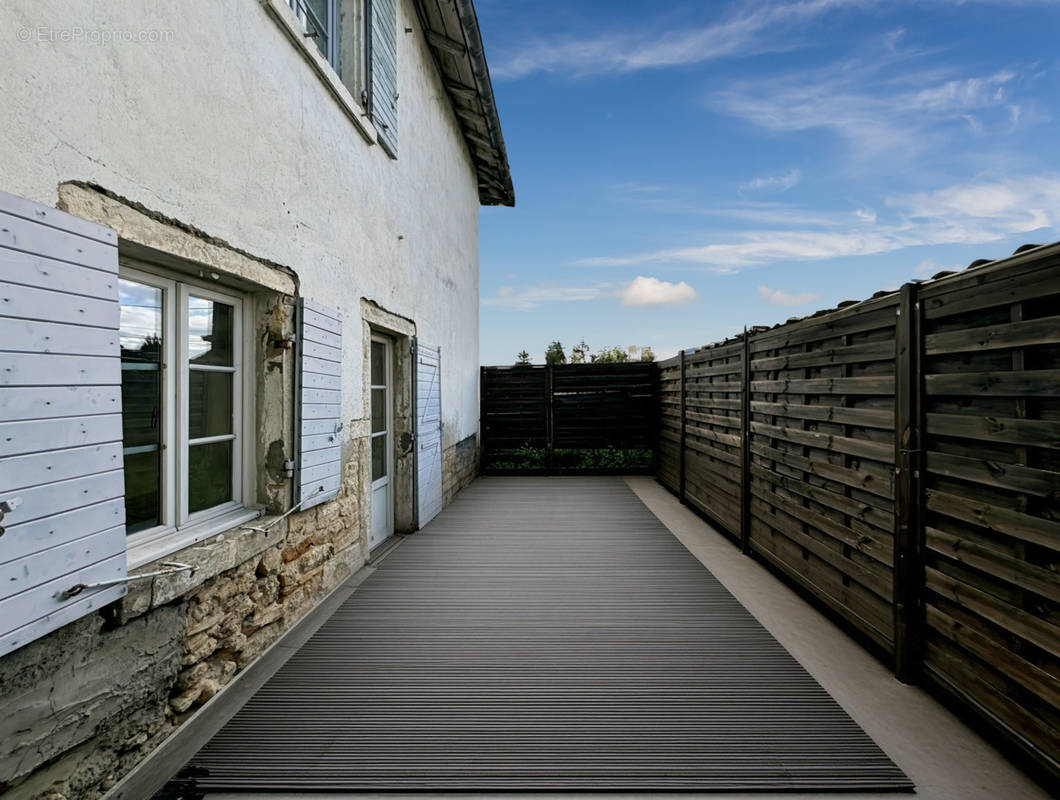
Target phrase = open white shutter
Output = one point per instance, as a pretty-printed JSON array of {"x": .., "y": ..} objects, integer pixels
[
  {"x": 61, "y": 481},
  {"x": 383, "y": 60},
  {"x": 428, "y": 432},
  {"x": 318, "y": 464}
]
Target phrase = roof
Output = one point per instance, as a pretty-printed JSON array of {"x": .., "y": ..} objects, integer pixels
[{"x": 452, "y": 31}]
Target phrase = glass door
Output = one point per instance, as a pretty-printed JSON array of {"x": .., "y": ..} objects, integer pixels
[{"x": 382, "y": 446}]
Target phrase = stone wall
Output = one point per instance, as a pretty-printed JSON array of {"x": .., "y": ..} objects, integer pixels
[
  {"x": 85, "y": 704},
  {"x": 459, "y": 467}
]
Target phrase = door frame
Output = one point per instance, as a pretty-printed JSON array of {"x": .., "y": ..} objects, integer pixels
[{"x": 390, "y": 483}]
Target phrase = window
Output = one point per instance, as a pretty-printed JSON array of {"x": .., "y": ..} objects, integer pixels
[
  {"x": 320, "y": 20},
  {"x": 182, "y": 402}
]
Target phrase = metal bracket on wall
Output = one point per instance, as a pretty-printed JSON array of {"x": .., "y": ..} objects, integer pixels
[{"x": 172, "y": 567}]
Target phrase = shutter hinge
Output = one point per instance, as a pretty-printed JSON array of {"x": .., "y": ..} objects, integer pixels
[
  {"x": 286, "y": 343},
  {"x": 288, "y": 467}
]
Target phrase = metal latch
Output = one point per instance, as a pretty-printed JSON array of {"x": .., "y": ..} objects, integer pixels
[
  {"x": 9, "y": 505},
  {"x": 172, "y": 567}
]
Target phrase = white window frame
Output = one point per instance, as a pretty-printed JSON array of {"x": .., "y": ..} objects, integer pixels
[
  {"x": 179, "y": 528},
  {"x": 330, "y": 26},
  {"x": 353, "y": 90}
]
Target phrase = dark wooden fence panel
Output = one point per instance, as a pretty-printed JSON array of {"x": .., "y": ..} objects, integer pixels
[
  {"x": 903, "y": 468},
  {"x": 569, "y": 418},
  {"x": 713, "y": 463},
  {"x": 514, "y": 416},
  {"x": 991, "y": 356},
  {"x": 822, "y": 459},
  {"x": 668, "y": 457}
]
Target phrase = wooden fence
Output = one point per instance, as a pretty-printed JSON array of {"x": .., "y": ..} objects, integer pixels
[
  {"x": 569, "y": 418},
  {"x": 899, "y": 460}
]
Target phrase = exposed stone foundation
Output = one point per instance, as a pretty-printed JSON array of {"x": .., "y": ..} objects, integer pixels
[
  {"x": 459, "y": 467},
  {"x": 82, "y": 706}
]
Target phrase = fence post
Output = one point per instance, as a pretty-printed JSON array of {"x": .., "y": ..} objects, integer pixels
[
  {"x": 745, "y": 447},
  {"x": 908, "y": 520},
  {"x": 549, "y": 419},
  {"x": 681, "y": 448}
]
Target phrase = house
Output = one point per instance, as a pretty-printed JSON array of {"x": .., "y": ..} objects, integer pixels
[{"x": 238, "y": 340}]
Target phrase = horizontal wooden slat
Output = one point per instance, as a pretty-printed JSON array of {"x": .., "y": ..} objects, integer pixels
[
  {"x": 35, "y": 239},
  {"x": 18, "y": 403},
  {"x": 37, "y": 436},
  {"x": 33, "y": 569},
  {"x": 997, "y": 655},
  {"x": 41, "y": 601},
  {"x": 827, "y": 441},
  {"x": 1031, "y": 383},
  {"x": 1029, "y": 432},
  {"x": 57, "y": 276},
  {"x": 30, "y": 336},
  {"x": 50, "y": 531},
  {"x": 1018, "y": 525},
  {"x": 35, "y": 369},
  {"x": 43, "y": 501},
  {"x": 882, "y": 384},
  {"x": 1036, "y": 482},
  {"x": 861, "y": 417},
  {"x": 56, "y": 465},
  {"x": 1044, "y": 330},
  {"x": 26, "y": 302},
  {"x": 994, "y": 562},
  {"x": 859, "y": 353},
  {"x": 1018, "y": 621}
]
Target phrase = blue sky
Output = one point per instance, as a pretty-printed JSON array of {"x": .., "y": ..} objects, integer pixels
[{"x": 685, "y": 168}]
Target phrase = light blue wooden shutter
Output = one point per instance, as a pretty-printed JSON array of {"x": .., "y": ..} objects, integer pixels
[
  {"x": 428, "y": 431},
  {"x": 61, "y": 482},
  {"x": 318, "y": 465},
  {"x": 384, "y": 72}
]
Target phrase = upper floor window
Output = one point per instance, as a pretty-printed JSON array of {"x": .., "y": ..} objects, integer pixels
[
  {"x": 320, "y": 19},
  {"x": 182, "y": 405}
]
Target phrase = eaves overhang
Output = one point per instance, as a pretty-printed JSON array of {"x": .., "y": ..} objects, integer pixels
[{"x": 452, "y": 32}]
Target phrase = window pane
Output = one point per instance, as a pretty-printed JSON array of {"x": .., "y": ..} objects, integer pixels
[
  {"x": 378, "y": 363},
  {"x": 209, "y": 475},
  {"x": 143, "y": 503},
  {"x": 317, "y": 22},
  {"x": 378, "y": 410},
  {"x": 140, "y": 336},
  {"x": 141, "y": 322},
  {"x": 379, "y": 457},
  {"x": 209, "y": 403},
  {"x": 210, "y": 332},
  {"x": 141, "y": 406}
]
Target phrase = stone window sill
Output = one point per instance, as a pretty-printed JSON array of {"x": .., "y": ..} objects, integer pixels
[
  {"x": 285, "y": 18},
  {"x": 165, "y": 545}
]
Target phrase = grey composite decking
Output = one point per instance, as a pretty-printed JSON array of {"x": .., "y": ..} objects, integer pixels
[{"x": 543, "y": 634}]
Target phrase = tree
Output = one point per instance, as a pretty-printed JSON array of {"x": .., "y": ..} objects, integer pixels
[
  {"x": 647, "y": 354},
  {"x": 554, "y": 354},
  {"x": 523, "y": 359},
  {"x": 579, "y": 353},
  {"x": 610, "y": 355}
]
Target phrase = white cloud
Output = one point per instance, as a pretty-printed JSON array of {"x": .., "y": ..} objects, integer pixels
[
  {"x": 783, "y": 298},
  {"x": 878, "y": 102},
  {"x": 531, "y": 297},
  {"x": 759, "y": 28},
  {"x": 865, "y": 214},
  {"x": 777, "y": 182},
  {"x": 645, "y": 291},
  {"x": 972, "y": 213}
]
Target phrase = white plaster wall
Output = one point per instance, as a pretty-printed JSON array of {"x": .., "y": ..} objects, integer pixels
[{"x": 227, "y": 128}]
